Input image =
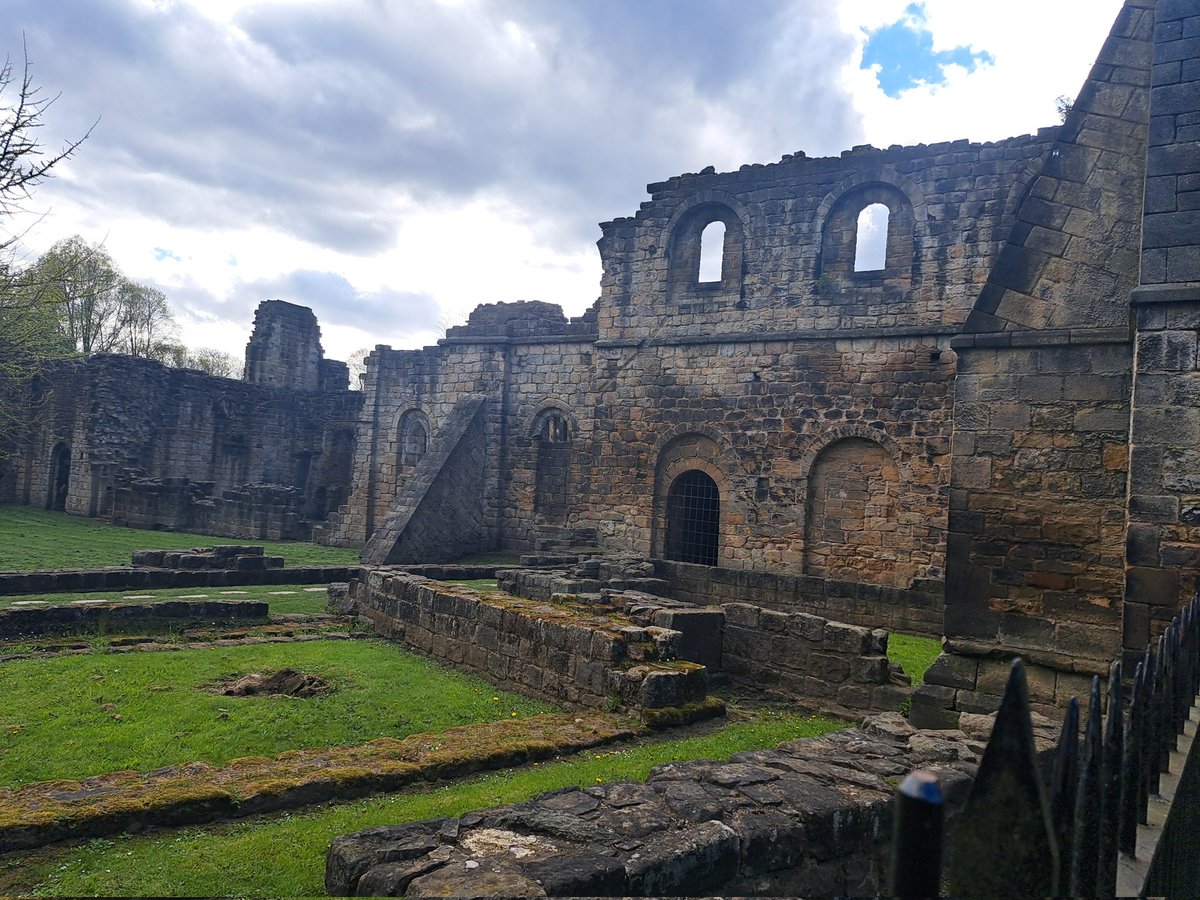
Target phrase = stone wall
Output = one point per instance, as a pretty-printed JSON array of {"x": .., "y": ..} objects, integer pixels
[
  {"x": 174, "y": 448},
  {"x": 802, "y": 655},
  {"x": 917, "y": 608},
  {"x": 1163, "y": 551},
  {"x": 557, "y": 652},
  {"x": 104, "y": 617},
  {"x": 145, "y": 579},
  {"x": 812, "y": 818}
]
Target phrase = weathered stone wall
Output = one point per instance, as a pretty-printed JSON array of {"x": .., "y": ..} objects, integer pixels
[
  {"x": 183, "y": 449},
  {"x": 565, "y": 655},
  {"x": 438, "y": 513},
  {"x": 101, "y": 617},
  {"x": 1163, "y": 552},
  {"x": 285, "y": 349},
  {"x": 812, "y": 818},
  {"x": 917, "y": 608},
  {"x": 137, "y": 579},
  {"x": 803, "y": 655}
]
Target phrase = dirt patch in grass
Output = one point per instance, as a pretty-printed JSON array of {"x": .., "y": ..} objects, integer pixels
[{"x": 284, "y": 683}]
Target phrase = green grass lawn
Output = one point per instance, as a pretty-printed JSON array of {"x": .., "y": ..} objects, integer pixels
[
  {"x": 914, "y": 652},
  {"x": 283, "y": 855},
  {"x": 284, "y": 598},
  {"x": 69, "y": 717},
  {"x": 36, "y": 539}
]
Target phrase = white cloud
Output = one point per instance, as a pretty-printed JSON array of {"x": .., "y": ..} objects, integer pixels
[{"x": 413, "y": 158}]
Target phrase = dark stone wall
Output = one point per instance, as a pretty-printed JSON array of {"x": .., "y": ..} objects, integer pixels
[
  {"x": 1163, "y": 545},
  {"x": 158, "y": 447}
]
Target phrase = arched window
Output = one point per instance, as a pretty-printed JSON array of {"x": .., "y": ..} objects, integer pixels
[
  {"x": 712, "y": 252},
  {"x": 552, "y": 428},
  {"x": 693, "y": 519},
  {"x": 870, "y": 241},
  {"x": 869, "y": 236},
  {"x": 412, "y": 438},
  {"x": 705, "y": 252}
]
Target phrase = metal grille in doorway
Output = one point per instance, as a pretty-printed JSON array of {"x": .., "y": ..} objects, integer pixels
[{"x": 693, "y": 519}]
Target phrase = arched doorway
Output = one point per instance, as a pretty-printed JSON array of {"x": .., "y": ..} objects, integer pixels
[
  {"x": 693, "y": 519},
  {"x": 60, "y": 476}
]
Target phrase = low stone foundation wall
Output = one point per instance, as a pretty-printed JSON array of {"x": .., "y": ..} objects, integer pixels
[
  {"x": 802, "y": 655},
  {"x": 810, "y": 818},
  {"x": 100, "y": 617},
  {"x": 917, "y": 609},
  {"x": 970, "y": 678},
  {"x": 561, "y": 652},
  {"x": 139, "y": 579}
]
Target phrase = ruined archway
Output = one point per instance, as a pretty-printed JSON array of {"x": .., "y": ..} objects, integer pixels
[
  {"x": 853, "y": 529},
  {"x": 693, "y": 519},
  {"x": 60, "y": 477}
]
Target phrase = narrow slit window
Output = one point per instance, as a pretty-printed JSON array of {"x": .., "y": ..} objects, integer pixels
[
  {"x": 712, "y": 252},
  {"x": 870, "y": 245}
]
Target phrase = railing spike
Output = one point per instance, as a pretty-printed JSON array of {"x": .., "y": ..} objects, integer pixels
[
  {"x": 1007, "y": 805},
  {"x": 1151, "y": 742},
  {"x": 1062, "y": 790},
  {"x": 1110, "y": 796},
  {"x": 1087, "y": 804},
  {"x": 1132, "y": 787}
]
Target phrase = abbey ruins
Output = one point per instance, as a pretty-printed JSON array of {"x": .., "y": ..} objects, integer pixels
[{"x": 993, "y": 436}]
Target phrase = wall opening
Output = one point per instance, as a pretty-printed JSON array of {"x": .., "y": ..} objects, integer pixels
[
  {"x": 412, "y": 439},
  {"x": 705, "y": 252},
  {"x": 693, "y": 519},
  {"x": 870, "y": 245},
  {"x": 712, "y": 252},
  {"x": 552, "y": 470},
  {"x": 60, "y": 477}
]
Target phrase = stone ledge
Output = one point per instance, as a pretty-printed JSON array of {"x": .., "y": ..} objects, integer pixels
[
  {"x": 42, "y": 813},
  {"x": 1165, "y": 293}
]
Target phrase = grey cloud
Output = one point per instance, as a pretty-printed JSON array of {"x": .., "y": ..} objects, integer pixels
[
  {"x": 321, "y": 113},
  {"x": 334, "y": 299}
]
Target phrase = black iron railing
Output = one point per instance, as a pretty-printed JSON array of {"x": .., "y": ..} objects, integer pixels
[{"x": 1019, "y": 835}]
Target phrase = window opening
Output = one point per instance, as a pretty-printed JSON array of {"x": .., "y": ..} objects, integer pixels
[
  {"x": 414, "y": 440},
  {"x": 870, "y": 245},
  {"x": 712, "y": 252},
  {"x": 554, "y": 429},
  {"x": 693, "y": 519}
]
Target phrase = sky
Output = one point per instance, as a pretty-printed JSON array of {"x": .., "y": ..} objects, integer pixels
[{"x": 394, "y": 163}]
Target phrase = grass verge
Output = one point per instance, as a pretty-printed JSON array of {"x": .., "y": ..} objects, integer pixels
[
  {"x": 247, "y": 859},
  {"x": 70, "y": 717},
  {"x": 37, "y": 539}
]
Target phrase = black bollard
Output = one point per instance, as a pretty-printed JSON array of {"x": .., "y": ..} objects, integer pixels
[{"x": 917, "y": 837}]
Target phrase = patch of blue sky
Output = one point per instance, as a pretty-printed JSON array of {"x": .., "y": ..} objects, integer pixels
[
  {"x": 904, "y": 54},
  {"x": 161, "y": 253}
]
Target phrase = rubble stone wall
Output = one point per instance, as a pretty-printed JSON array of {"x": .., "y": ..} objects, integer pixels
[{"x": 567, "y": 656}]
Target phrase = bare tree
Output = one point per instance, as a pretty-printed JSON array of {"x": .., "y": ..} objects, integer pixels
[
  {"x": 356, "y": 362},
  {"x": 147, "y": 324},
  {"x": 29, "y": 333},
  {"x": 214, "y": 362},
  {"x": 23, "y": 164}
]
